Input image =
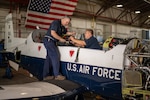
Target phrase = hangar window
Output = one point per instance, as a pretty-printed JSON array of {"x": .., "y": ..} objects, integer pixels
[{"x": 38, "y": 35}]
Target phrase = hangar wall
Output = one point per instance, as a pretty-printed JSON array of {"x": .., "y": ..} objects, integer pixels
[{"x": 77, "y": 24}]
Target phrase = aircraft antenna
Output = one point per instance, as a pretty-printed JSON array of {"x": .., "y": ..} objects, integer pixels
[{"x": 77, "y": 58}]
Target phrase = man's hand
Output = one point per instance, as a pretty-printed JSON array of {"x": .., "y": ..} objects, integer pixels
[
  {"x": 62, "y": 40},
  {"x": 71, "y": 33},
  {"x": 71, "y": 38}
]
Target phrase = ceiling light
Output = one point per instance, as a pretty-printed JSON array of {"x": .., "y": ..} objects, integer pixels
[
  {"x": 149, "y": 16},
  {"x": 119, "y": 6},
  {"x": 137, "y": 12}
]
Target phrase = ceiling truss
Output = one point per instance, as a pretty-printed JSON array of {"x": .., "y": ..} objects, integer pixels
[{"x": 128, "y": 9}]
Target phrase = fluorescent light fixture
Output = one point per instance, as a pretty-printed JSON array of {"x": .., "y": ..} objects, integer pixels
[
  {"x": 137, "y": 12},
  {"x": 119, "y": 5}
]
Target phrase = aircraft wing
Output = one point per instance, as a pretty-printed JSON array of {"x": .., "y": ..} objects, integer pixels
[{"x": 52, "y": 89}]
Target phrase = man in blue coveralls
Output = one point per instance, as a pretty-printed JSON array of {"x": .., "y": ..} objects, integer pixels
[
  {"x": 89, "y": 42},
  {"x": 53, "y": 35}
]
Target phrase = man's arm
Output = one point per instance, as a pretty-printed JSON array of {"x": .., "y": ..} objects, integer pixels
[
  {"x": 71, "y": 33},
  {"x": 54, "y": 34},
  {"x": 77, "y": 42}
]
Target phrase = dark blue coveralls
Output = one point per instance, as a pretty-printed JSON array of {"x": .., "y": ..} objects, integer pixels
[
  {"x": 92, "y": 43},
  {"x": 52, "y": 62}
]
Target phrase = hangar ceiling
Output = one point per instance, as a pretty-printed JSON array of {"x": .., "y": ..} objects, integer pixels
[
  {"x": 127, "y": 11},
  {"x": 126, "y": 14}
]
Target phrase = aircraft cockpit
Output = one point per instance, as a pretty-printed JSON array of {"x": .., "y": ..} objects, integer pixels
[{"x": 38, "y": 35}]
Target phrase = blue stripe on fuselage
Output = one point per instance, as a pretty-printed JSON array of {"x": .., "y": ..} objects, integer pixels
[{"x": 101, "y": 80}]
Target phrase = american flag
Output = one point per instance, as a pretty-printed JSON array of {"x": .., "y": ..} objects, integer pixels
[{"x": 42, "y": 12}]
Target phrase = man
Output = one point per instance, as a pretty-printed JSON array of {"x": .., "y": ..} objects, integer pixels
[
  {"x": 53, "y": 35},
  {"x": 89, "y": 42}
]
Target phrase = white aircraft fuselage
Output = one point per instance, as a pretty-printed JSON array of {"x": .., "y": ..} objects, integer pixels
[{"x": 98, "y": 70}]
